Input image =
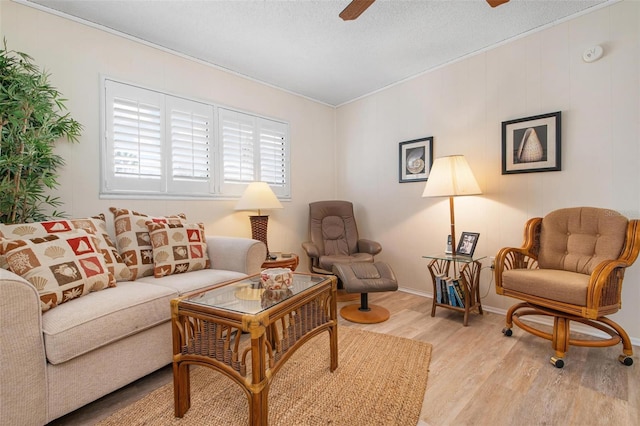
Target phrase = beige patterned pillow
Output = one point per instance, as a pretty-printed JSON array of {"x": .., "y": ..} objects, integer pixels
[
  {"x": 61, "y": 266},
  {"x": 133, "y": 241},
  {"x": 95, "y": 225},
  {"x": 177, "y": 248}
]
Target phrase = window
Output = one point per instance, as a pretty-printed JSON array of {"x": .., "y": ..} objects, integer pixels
[
  {"x": 160, "y": 145},
  {"x": 253, "y": 148}
]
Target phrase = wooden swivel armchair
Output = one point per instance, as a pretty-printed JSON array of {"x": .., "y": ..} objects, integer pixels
[
  {"x": 570, "y": 268},
  {"x": 334, "y": 238}
]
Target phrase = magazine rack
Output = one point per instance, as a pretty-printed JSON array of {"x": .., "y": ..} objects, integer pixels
[{"x": 466, "y": 278}]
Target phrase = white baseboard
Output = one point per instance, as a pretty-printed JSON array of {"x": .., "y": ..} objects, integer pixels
[{"x": 579, "y": 328}]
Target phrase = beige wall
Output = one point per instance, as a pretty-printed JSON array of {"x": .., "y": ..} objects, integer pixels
[
  {"x": 462, "y": 106},
  {"x": 77, "y": 55}
]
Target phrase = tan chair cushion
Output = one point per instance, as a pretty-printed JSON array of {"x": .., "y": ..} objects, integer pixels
[
  {"x": 332, "y": 227},
  {"x": 366, "y": 277},
  {"x": 562, "y": 286},
  {"x": 578, "y": 239},
  {"x": 327, "y": 262}
]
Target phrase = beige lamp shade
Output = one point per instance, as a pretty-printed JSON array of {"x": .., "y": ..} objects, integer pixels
[
  {"x": 258, "y": 196},
  {"x": 451, "y": 176}
]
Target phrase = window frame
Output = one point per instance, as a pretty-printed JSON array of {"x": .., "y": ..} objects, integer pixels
[{"x": 112, "y": 186}]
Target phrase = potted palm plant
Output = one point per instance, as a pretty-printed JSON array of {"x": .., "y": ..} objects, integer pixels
[{"x": 32, "y": 120}]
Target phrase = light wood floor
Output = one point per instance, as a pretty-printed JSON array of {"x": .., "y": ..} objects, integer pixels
[{"x": 477, "y": 376}]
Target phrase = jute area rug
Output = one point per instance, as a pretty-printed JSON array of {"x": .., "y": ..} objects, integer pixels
[{"x": 380, "y": 380}]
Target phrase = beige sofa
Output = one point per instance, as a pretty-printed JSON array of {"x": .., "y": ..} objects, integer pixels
[{"x": 56, "y": 361}]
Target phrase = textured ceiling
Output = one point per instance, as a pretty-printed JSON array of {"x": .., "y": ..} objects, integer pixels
[{"x": 305, "y": 48}]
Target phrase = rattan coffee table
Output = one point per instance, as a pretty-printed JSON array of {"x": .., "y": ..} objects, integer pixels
[{"x": 208, "y": 326}]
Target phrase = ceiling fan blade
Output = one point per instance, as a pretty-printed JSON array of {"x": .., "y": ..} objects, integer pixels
[
  {"x": 496, "y": 3},
  {"x": 355, "y": 9}
]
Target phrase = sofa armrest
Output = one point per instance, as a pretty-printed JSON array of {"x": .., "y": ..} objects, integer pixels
[
  {"x": 23, "y": 381},
  {"x": 236, "y": 254}
]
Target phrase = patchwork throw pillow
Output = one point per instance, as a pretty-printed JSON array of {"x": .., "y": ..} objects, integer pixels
[
  {"x": 133, "y": 241},
  {"x": 61, "y": 266},
  {"x": 177, "y": 248},
  {"x": 94, "y": 225}
]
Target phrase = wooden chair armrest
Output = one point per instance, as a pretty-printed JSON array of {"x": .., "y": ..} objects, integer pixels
[
  {"x": 605, "y": 284},
  {"x": 532, "y": 236},
  {"x": 525, "y": 257},
  {"x": 513, "y": 258}
]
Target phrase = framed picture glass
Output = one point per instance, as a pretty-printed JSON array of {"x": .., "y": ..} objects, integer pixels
[
  {"x": 531, "y": 144},
  {"x": 467, "y": 243},
  {"x": 416, "y": 159}
]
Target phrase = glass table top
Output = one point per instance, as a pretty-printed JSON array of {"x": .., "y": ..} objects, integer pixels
[
  {"x": 248, "y": 297},
  {"x": 457, "y": 258}
]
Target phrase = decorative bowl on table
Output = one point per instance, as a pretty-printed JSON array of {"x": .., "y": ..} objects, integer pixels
[
  {"x": 271, "y": 297},
  {"x": 276, "y": 278}
]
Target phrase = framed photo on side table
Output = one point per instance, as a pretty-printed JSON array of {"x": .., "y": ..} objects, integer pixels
[
  {"x": 531, "y": 144},
  {"x": 467, "y": 243},
  {"x": 416, "y": 159}
]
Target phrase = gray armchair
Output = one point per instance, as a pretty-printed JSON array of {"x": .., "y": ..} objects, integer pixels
[{"x": 334, "y": 237}]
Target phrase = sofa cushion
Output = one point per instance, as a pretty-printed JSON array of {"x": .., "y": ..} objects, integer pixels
[
  {"x": 60, "y": 266},
  {"x": 177, "y": 248},
  {"x": 133, "y": 240},
  {"x": 193, "y": 281},
  {"x": 99, "y": 319},
  {"x": 95, "y": 225}
]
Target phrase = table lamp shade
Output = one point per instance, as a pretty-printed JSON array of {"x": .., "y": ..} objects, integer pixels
[
  {"x": 259, "y": 196},
  {"x": 451, "y": 176}
]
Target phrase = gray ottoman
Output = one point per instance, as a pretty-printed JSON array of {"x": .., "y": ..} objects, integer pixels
[{"x": 364, "y": 278}]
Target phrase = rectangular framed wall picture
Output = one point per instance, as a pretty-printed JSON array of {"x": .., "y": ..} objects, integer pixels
[
  {"x": 467, "y": 243},
  {"x": 531, "y": 144},
  {"x": 416, "y": 159}
]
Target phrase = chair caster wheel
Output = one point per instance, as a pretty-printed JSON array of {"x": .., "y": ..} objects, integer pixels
[
  {"x": 557, "y": 362},
  {"x": 626, "y": 360},
  {"x": 507, "y": 332}
]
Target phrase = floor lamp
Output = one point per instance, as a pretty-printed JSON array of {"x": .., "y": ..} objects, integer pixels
[
  {"x": 451, "y": 177},
  {"x": 259, "y": 196}
]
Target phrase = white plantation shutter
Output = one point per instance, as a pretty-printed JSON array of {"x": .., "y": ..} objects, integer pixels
[
  {"x": 190, "y": 127},
  {"x": 273, "y": 153},
  {"x": 237, "y": 138},
  {"x": 134, "y": 139},
  {"x": 253, "y": 148},
  {"x": 159, "y": 145}
]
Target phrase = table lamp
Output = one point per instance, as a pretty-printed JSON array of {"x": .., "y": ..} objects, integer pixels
[
  {"x": 451, "y": 177},
  {"x": 259, "y": 196}
]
